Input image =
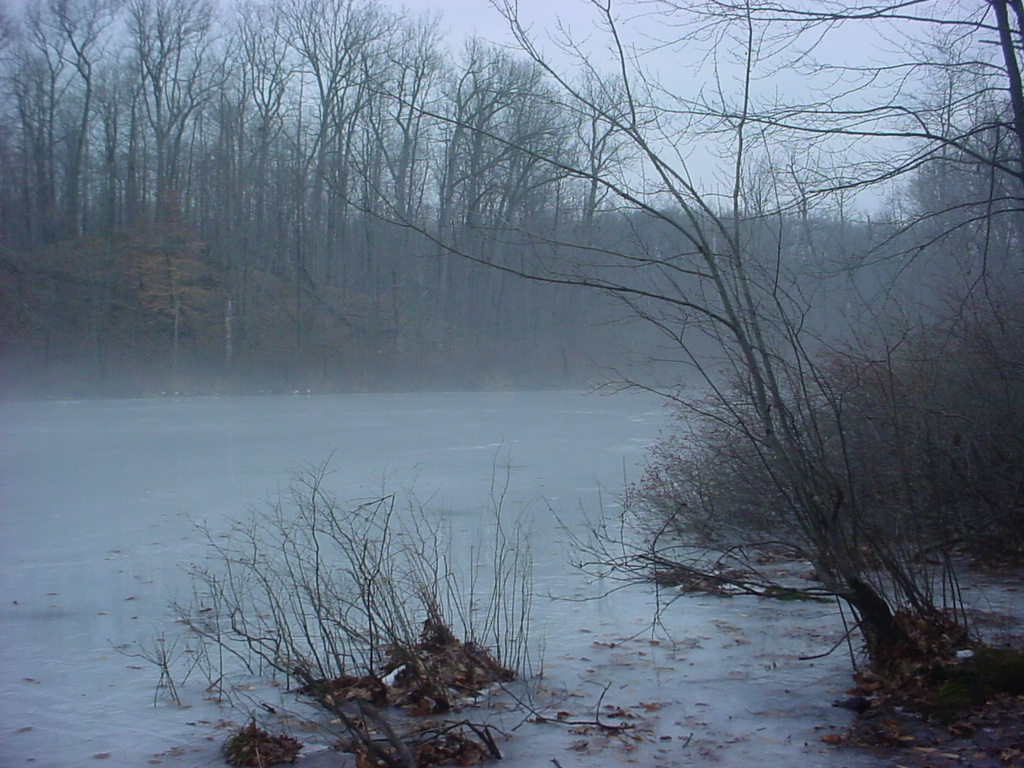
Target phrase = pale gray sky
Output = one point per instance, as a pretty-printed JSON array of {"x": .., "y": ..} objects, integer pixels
[
  {"x": 684, "y": 69},
  {"x": 467, "y": 17}
]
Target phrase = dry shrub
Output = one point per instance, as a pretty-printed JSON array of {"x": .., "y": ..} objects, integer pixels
[
  {"x": 318, "y": 590},
  {"x": 428, "y": 678},
  {"x": 363, "y": 606},
  {"x": 252, "y": 746},
  {"x": 454, "y": 746},
  {"x": 876, "y": 464},
  {"x": 924, "y": 442},
  {"x": 461, "y": 744},
  {"x": 934, "y": 430},
  {"x": 706, "y": 484}
]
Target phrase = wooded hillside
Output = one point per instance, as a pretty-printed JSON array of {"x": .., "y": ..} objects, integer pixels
[{"x": 192, "y": 197}]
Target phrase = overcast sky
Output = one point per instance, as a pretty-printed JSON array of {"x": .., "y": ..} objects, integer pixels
[
  {"x": 467, "y": 17},
  {"x": 462, "y": 17}
]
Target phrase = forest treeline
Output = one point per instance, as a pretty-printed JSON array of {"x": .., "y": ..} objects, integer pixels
[
  {"x": 195, "y": 193},
  {"x": 329, "y": 194}
]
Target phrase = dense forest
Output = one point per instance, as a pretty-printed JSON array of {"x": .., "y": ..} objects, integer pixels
[
  {"x": 257, "y": 198},
  {"x": 330, "y": 194}
]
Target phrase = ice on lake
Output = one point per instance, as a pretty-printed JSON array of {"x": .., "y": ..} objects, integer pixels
[{"x": 99, "y": 501}]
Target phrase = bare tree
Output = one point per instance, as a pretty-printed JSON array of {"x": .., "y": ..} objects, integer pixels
[
  {"x": 173, "y": 45},
  {"x": 82, "y": 25},
  {"x": 39, "y": 83},
  {"x": 414, "y": 68},
  {"x": 724, "y": 268}
]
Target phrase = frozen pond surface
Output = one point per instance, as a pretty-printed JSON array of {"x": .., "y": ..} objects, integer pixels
[{"x": 98, "y": 499}]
